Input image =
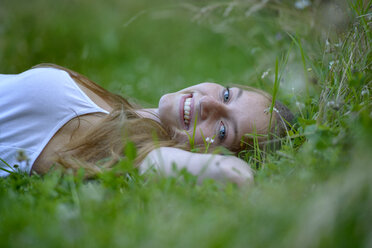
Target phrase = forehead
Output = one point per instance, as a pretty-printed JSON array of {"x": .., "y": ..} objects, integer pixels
[
  {"x": 249, "y": 113},
  {"x": 248, "y": 97}
]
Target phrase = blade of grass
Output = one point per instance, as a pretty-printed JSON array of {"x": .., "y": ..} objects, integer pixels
[
  {"x": 8, "y": 165},
  {"x": 303, "y": 59},
  {"x": 275, "y": 91}
]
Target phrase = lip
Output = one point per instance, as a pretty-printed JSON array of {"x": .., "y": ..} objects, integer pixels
[{"x": 181, "y": 107}]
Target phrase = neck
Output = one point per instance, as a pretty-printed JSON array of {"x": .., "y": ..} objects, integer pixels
[{"x": 151, "y": 113}]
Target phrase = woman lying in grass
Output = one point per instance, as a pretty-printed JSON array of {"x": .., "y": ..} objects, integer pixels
[{"x": 51, "y": 115}]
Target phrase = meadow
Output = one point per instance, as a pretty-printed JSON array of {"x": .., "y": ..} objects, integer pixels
[{"x": 315, "y": 191}]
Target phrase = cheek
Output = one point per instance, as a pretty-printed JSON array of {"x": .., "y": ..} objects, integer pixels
[
  {"x": 183, "y": 138},
  {"x": 207, "y": 133}
]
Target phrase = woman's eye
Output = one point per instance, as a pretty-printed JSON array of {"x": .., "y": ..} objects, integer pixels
[
  {"x": 222, "y": 132},
  {"x": 226, "y": 94}
]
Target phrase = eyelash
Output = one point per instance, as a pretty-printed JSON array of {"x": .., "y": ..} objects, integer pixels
[
  {"x": 224, "y": 95},
  {"x": 222, "y": 131},
  {"x": 222, "y": 128}
]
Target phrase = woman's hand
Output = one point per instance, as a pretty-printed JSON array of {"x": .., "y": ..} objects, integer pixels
[{"x": 218, "y": 167}]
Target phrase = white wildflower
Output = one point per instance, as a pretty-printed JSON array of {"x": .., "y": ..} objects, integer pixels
[
  {"x": 300, "y": 105},
  {"x": 331, "y": 64},
  {"x": 209, "y": 140},
  {"x": 302, "y": 4},
  {"x": 327, "y": 46},
  {"x": 338, "y": 44},
  {"x": 266, "y": 111},
  {"x": 365, "y": 91},
  {"x": 331, "y": 104},
  {"x": 327, "y": 43},
  {"x": 334, "y": 105},
  {"x": 265, "y": 73}
]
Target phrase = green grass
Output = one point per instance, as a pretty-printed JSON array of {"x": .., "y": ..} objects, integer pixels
[{"x": 316, "y": 191}]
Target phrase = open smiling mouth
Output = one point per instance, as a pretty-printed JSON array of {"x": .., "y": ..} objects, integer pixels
[{"x": 187, "y": 111}]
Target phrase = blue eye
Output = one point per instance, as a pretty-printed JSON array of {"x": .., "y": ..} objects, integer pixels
[
  {"x": 226, "y": 94},
  {"x": 222, "y": 132}
]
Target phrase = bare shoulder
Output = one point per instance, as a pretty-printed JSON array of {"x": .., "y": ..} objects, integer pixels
[{"x": 74, "y": 128}]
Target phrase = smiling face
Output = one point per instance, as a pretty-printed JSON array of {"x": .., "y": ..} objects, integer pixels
[{"x": 223, "y": 113}]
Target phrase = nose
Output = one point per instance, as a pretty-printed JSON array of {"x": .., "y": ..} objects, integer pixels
[{"x": 210, "y": 107}]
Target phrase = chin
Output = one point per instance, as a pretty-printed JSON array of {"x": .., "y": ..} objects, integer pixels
[
  {"x": 165, "y": 110},
  {"x": 163, "y": 104},
  {"x": 163, "y": 100}
]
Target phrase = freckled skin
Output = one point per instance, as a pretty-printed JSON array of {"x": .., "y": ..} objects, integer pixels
[{"x": 244, "y": 109}]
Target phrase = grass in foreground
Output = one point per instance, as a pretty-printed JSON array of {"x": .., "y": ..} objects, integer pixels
[{"x": 314, "y": 192}]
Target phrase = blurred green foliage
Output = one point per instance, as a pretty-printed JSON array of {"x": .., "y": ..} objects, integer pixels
[
  {"x": 316, "y": 191},
  {"x": 141, "y": 48}
]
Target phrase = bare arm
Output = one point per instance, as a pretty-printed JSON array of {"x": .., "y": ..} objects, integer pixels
[{"x": 218, "y": 167}]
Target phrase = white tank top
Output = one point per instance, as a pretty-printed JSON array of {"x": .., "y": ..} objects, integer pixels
[{"x": 34, "y": 105}]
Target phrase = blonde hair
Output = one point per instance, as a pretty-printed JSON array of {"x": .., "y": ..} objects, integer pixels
[{"x": 103, "y": 145}]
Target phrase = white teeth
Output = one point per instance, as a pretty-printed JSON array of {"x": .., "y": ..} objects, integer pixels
[
  {"x": 186, "y": 110},
  {"x": 188, "y": 102}
]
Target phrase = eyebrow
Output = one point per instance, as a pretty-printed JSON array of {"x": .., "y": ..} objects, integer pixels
[
  {"x": 239, "y": 94},
  {"x": 234, "y": 121},
  {"x": 235, "y": 126}
]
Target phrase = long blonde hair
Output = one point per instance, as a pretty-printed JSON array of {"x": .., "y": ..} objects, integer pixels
[{"x": 103, "y": 144}]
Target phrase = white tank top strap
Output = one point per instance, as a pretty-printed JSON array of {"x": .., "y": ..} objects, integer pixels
[{"x": 34, "y": 105}]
